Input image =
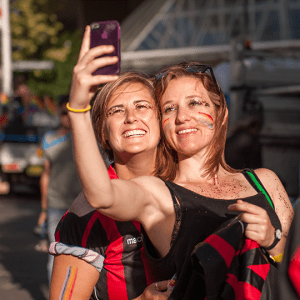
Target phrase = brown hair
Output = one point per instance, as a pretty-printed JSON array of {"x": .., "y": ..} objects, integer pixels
[
  {"x": 216, "y": 148},
  {"x": 99, "y": 114}
]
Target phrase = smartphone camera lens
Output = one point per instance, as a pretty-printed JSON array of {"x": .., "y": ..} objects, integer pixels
[{"x": 95, "y": 26}]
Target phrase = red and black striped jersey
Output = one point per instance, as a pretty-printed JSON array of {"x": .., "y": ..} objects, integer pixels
[
  {"x": 234, "y": 267},
  {"x": 126, "y": 271}
]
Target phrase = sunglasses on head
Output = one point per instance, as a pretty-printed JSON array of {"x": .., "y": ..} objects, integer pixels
[{"x": 196, "y": 68}]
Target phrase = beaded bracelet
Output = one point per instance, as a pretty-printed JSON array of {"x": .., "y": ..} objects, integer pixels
[{"x": 77, "y": 110}]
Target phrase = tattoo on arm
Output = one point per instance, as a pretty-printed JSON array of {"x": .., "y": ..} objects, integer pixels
[{"x": 69, "y": 283}]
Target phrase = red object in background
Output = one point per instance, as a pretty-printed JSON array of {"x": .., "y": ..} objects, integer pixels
[
  {"x": 3, "y": 121},
  {"x": 11, "y": 168},
  {"x": 294, "y": 270}
]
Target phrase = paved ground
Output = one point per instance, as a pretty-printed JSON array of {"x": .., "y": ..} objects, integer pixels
[{"x": 22, "y": 269}]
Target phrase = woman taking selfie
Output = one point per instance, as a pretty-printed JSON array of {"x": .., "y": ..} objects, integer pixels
[
  {"x": 107, "y": 256},
  {"x": 202, "y": 192}
]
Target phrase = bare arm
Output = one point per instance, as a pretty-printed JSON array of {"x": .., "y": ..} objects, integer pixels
[
  {"x": 259, "y": 227},
  {"x": 123, "y": 200},
  {"x": 44, "y": 184},
  {"x": 71, "y": 274},
  {"x": 70, "y": 271},
  {"x": 283, "y": 206}
]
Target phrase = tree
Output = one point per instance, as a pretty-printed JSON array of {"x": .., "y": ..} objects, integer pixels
[
  {"x": 33, "y": 28},
  {"x": 57, "y": 82},
  {"x": 38, "y": 35}
]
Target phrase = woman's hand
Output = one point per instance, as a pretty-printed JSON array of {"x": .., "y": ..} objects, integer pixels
[
  {"x": 156, "y": 291},
  {"x": 84, "y": 84},
  {"x": 259, "y": 226}
]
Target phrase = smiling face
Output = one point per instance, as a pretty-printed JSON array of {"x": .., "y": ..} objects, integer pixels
[
  {"x": 188, "y": 116},
  {"x": 132, "y": 123}
]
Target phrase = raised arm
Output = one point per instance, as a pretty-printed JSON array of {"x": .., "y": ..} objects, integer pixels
[{"x": 123, "y": 200}]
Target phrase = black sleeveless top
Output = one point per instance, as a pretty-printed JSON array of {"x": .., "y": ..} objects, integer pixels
[{"x": 200, "y": 217}]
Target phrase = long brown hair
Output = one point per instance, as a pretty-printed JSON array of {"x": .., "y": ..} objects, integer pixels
[
  {"x": 216, "y": 148},
  {"x": 100, "y": 108}
]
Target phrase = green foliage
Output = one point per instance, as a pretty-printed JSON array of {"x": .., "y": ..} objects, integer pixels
[
  {"x": 37, "y": 35},
  {"x": 56, "y": 82},
  {"x": 34, "y": 28}
]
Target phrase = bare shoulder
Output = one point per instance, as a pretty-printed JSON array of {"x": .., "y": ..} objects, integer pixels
[
  {"x": 272, "y": 184},
  {"x": 268, "y": 178},
  {"x": 277, "y": 192}
]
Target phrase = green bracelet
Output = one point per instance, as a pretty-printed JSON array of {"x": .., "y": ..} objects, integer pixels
[{"x": 44, "y": 209}]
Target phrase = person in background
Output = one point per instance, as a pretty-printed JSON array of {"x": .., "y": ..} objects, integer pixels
[
  {"x": 29, "y": 104},
  {"x": 50, "y": 106},
  {"x": 59, "y": 183},
  {"x": 48, "y": 117}
]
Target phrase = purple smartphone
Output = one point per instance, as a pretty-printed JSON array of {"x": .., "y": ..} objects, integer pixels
[{"x": 107, "y": 33}]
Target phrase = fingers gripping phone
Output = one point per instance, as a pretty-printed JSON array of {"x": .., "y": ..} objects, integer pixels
[{"x": 107, "y": 33}]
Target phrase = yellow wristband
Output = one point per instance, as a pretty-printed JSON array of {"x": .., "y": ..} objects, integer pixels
[
  {"x": 77, "y": 110},
  {"x": 278, "y": 258}
]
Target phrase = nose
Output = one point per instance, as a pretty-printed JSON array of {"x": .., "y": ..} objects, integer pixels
[
  {"x": 130, "y": 116},
  {"x": 182, "y": 115}
]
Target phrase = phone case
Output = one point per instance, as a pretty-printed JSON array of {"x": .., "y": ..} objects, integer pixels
[{"x": 107, "y": 33}]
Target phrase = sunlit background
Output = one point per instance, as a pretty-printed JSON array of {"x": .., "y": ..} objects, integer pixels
[{"x": 253, "y": 45}]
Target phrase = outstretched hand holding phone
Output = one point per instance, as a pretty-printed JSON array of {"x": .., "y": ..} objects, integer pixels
[
  {"x": 107, "y": 33},
  {"x": 84, "y": 83}
]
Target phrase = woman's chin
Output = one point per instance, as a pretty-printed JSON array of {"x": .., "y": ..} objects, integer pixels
[{"x": 135, "y": 149}]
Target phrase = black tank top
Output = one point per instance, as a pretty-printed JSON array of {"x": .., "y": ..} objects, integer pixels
[{"x": 200, "y": 217}]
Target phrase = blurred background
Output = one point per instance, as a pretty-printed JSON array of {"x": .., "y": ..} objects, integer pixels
[{"x": 253, "y": 46}]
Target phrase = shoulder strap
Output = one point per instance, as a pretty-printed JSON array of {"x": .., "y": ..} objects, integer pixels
[
  {"x": 168, "y": 184},
  {"x": 256, "y": 183}
]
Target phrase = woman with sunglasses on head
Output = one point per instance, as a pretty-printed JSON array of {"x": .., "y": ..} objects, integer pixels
[
  {"x": 205, "y": 192},
  {"x": 194, "y": 119}
]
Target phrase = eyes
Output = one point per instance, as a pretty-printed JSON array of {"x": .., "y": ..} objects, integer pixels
[
  {"x": 115, "y": 111},
  {"x": 120, "y": 109},
  {"x": 191, "y": 104}
]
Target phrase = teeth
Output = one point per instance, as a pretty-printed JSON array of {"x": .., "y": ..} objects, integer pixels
[
  {"x": 134, "y": 133},
  {"x": 186, "y": 131}
]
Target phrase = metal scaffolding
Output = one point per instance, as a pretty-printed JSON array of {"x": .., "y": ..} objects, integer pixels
[
  {"x": 264, "y": 75},
  {"x": 187, "y": 29}
]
